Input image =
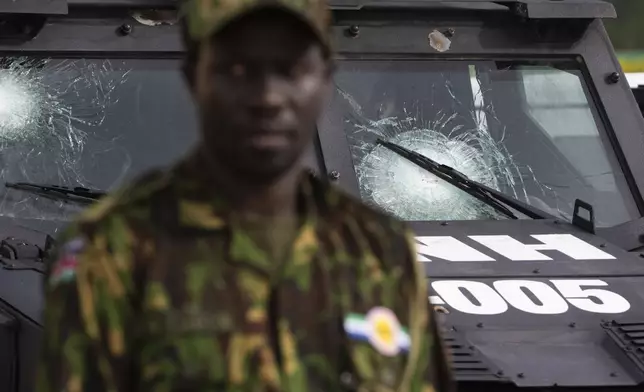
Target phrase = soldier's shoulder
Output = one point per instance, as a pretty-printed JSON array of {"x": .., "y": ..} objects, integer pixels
[{"x": 127, "y": 200}]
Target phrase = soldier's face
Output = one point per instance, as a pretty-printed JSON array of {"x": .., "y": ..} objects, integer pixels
[{"x": 260, "y": 87}]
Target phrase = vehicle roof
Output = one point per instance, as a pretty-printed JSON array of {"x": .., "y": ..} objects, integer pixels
[{"x": 533, "y": 9}]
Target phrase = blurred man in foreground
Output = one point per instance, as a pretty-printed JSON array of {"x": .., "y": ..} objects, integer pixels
[{"x": 235, "y": 270}]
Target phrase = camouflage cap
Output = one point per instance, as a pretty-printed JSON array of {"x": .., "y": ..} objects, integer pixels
[{"x": 206, "y": 17}]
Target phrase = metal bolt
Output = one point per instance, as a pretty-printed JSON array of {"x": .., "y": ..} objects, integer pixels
[
  {"x": 572, "y": 325},
  {"x": 612, "y": 78},
  {"x": 353, "y": 31},
  {"x": 334, "y": 175},
  {"x": 125, "y": 29},
  {"x": 520, "y": 9},
  {"x": 449, "y": 33},
  {"x": 479, "y": 325},
  {"x": 520, "y": 375},
  {"x": 536, "y": 271}
]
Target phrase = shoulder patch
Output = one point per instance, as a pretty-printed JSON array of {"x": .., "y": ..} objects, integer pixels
[
  {"x": 64, "y": 268},
  {"x": 381, "y": 328}
]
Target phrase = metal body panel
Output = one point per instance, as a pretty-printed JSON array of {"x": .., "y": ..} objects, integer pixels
[
  {"x": 533, "y": 9},
  {"x": 41, "y": 7},
  {"x": 553, "y": 344},
  {"x": 624, "y": 264}
]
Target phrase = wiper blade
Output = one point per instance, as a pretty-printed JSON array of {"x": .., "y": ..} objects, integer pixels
[
  {"x": 79, "y": 194},
  {"x": 485, "y": 194}
]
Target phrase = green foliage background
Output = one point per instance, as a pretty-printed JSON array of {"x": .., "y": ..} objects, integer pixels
[{"x": 627, "y": 31}]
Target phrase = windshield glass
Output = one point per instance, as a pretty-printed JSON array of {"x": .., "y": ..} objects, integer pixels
[
  {"x": 89, "y": 123},
  {"x": 528, "y": 129}
]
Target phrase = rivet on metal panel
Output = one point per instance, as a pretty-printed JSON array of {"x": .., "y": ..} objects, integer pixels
[
  {"x": 125, "y": 29},
  {"x": 334, "y": 175},
  {"x": 612, "y": 78},
  {"x": 536, "y": 271},
  {"x": 500, "y": 373},
  {"x": 602, "y": 245},
  {"x": 572, "y": 325},
  {"x": 520, "y": 375},
  {"x": 449, "y": 33},
  {"x": 479, "y": 325},
  {"x": 353, "y": 31},
  {"x": 520, "y": 9}
]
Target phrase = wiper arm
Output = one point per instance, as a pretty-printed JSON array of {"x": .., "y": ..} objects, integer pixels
[
  {"x": 78, "y": 194},
  {"x": 485, "y": 194}
]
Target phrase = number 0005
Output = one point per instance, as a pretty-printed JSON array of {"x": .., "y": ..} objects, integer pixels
[{"x": 529, "y": 296}]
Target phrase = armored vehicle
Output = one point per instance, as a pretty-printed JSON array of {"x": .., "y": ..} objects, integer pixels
[{"x": 504, "y": 132}]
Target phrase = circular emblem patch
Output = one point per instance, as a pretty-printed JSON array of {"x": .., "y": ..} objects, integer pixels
[{"x": 384, "y": 331}]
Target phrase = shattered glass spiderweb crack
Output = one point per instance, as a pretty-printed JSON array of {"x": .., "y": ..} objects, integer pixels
[
  {"x": 47, "y": 108},
  {"x": 405, "y": 190}
]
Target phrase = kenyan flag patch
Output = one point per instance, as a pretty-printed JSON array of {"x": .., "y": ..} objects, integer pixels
[
  {"x": 64, "y": 269},
  {"x": 381, "y": 329}
]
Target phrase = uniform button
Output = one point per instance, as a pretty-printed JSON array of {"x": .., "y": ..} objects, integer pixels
[{"x": 346, "y": 379}]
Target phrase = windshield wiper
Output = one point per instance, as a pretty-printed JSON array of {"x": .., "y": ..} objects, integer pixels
[
  {"x": 78, "y": 194},
  {"x": 485, "y": 194}
]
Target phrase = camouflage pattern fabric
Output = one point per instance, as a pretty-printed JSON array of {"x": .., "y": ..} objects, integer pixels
[
  {"x": 206, "y": 17},
  {"x": 155, "y": 288}
]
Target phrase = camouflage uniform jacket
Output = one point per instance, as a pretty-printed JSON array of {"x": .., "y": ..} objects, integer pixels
[{"x": 155, "y": 289}]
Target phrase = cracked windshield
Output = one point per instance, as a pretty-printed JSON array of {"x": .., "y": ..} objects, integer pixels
[
  {"x": 527, "y": 129},
  {"x": 86, "y": 123}
]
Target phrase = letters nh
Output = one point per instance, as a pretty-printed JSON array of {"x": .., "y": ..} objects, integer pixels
[{"x": 451, "y": 249}]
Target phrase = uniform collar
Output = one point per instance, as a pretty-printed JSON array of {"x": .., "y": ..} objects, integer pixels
[{"x": 202, "y": 207}]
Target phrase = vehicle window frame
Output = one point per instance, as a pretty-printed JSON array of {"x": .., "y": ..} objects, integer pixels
[{"x": 609, "y": 101}]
